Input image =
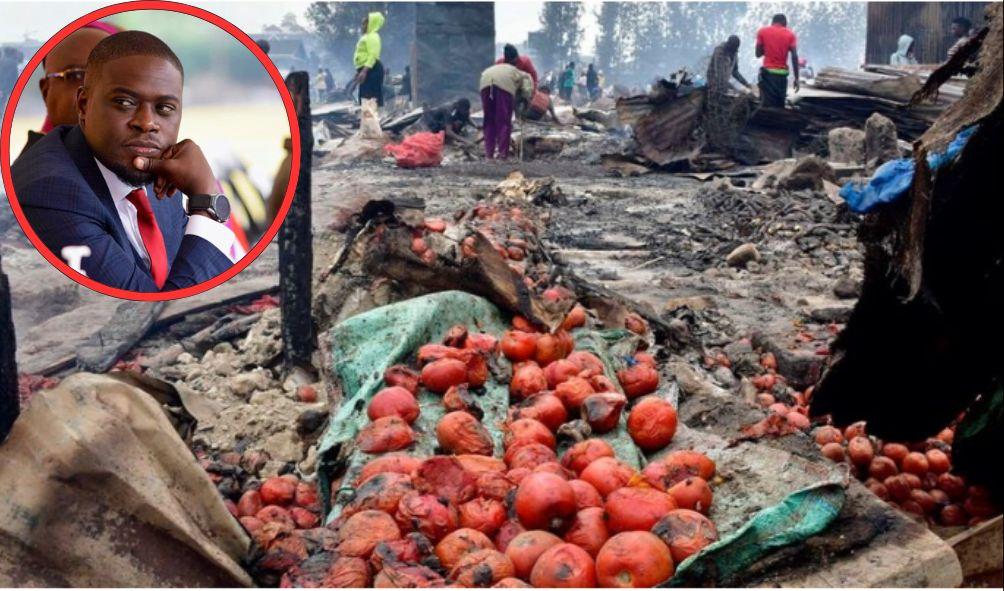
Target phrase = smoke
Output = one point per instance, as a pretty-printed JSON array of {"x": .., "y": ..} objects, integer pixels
[
  {"x": 829, "y": 33},
  {"x": 651, "y": 40}
]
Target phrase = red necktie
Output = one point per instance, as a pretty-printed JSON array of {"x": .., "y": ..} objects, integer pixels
[{"x": 149, "y": 231}]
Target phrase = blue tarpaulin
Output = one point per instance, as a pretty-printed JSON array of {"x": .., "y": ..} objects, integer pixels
[{"x": 893, "y": 178}]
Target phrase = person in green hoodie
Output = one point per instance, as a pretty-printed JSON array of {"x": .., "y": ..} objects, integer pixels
[{"x": 369, "y": 70}]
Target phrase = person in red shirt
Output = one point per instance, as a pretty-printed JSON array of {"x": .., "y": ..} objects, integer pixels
[
  {"x": 510, "y": 55},
  {"x": 774, "y": 44}
]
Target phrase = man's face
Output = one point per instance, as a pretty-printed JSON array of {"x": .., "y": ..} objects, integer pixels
[
  {"x": 132, "y": 108},
  {"x": 60, "y": 94},
  {"x": 366, "y": 24},
  {"x": 957, "y": 30}
]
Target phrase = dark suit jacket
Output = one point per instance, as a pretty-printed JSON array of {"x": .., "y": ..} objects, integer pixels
[
  {"x": 67, "y": 202},
  {"x": 33, "y": 137}
]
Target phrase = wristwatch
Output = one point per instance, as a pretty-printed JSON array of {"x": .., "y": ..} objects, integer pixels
[{"x": 217, "y": 206}]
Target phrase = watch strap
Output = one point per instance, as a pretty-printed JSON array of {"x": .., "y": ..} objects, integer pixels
[
  {"x": 202, "y": 201},
  {"x": 216, "y": 205}
]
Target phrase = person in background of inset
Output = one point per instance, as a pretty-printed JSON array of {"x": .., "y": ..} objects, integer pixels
[
  {"x": 366, "y": 60},
  {"x": 567, "y": 83},
  {"x": 961, "y": 27},
  {"x": 903, "y": 56},
  {"x": 502, "y": 85},
  {"x": 510, "y": 55},
  {"x": 64, "y": 69},
  {"x": 592, "y": 83},
  {"x": 774, "y": 44}
]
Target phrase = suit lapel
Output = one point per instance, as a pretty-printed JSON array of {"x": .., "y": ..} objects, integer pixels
[{"x": 83, "y": 158}]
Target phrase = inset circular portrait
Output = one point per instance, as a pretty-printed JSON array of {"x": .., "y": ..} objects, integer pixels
[{"x": 150, "y": 150}]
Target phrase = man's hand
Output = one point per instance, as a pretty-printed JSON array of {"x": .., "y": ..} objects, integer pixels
[
  {"x": 182, "y": 167},
  {"x": 357, "y": 80},
  {"x": 797, "y": 85}
]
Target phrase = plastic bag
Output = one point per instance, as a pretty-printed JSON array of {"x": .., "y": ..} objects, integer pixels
[
  {"x": 421, "y": 150},
  {"x": 890, "y": 180},
  {"x": 893, "y": 179},
  {"x": 369, "y": 121}
]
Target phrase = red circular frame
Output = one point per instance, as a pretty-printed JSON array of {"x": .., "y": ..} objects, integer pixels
[{"x": 15, "y": 97}]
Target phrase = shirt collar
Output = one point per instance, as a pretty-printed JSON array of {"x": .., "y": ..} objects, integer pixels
[{"x": 118, "y": 189}]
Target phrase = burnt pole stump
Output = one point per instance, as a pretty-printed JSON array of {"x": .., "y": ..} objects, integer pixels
[
  {"x": 296, "y": 255},
  {"x": 9, "y": 405}
]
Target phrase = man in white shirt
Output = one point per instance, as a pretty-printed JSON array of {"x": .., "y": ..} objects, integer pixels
[
  {"x": 115, "y": 182},
  {"x": 216, "y": 233}
]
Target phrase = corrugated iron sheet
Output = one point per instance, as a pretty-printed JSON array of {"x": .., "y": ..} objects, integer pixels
[{"x": 664, "y": 131}]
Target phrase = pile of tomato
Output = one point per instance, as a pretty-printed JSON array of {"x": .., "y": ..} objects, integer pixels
[
  {"x": 915, "y": 477},
  {"x": 520, "y": 514},
  {"x": 280, "y": 499}
]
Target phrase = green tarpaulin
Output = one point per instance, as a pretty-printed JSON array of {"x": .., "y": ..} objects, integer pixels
[{"x": 365, "y": 345}]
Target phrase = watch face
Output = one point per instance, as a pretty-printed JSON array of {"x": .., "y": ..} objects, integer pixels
[{"x": 222, "y": 207}]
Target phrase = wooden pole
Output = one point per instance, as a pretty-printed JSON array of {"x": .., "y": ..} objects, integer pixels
[
  {"x": 296, "y": 256},
  {"x": 9, "y": 406}
]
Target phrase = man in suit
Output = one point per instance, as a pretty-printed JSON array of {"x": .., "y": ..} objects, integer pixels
[{"x": 114, "y": 183}]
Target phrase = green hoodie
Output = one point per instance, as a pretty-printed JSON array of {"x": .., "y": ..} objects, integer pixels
[{"x": 368, "y": 48}]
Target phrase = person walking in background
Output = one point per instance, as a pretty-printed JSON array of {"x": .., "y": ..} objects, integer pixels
[
  {"x": 592, "y": 83},
  {"x": 510, "y": 55},
  {"x": 366, "y": 60},
  {"x": 903, "y": 56},
  {"x": 502, "y": 85},
  {"x": 567, "y": 84},
  {"x": 774, "y": 43},
  {"x": 961, "y": 27}
]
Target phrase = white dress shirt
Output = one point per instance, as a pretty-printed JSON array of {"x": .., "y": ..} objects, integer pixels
[{"x": 212, "y": 231}]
